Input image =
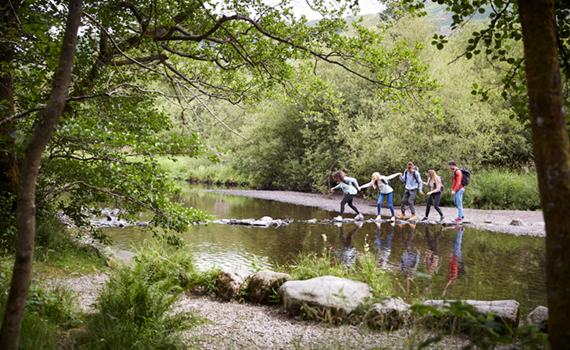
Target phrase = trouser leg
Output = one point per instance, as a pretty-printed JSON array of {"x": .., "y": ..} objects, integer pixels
[
  {"x": 380, "y": 200},
  {"x": 390, "y": 197},
  {"x": 343, "y": 203},
  {"x": 405, "y": 200},
  {"x": 428, "y": 205},
  {"x": 352, "y": 205},
  {"x": 436, "y": 200},
  {"x": 411, "y": 201},
  {"x": 458, "y": 199}
]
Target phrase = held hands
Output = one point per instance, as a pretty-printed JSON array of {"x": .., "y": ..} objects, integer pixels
[
  {"x": 332, "y": 189},
  {"x": 399, "y": 174}
]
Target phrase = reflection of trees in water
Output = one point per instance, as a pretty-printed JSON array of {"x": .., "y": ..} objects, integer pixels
[
  {"x": 431, "y": 251},
  {"x": 347, "y": 253},
  {"x": 410, "y": 257},
  {"x": 383, "y": 251}
]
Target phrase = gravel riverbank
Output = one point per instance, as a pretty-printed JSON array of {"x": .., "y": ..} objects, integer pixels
[{"x": 492, "y": 220}]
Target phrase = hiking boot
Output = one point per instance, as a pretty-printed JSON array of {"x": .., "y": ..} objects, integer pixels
[
  {"x": 442, "y": 218},
  {"x": 393, "y": 219},
  {"x": 338, "y": 218},
  {"x": 359, "y": 217},
  {"x": 425, "y": 219},
  {"x": 457, "y": 219},
  {"x": 378, "y": 218},
  {"x": 413, "y": 217},
  {"x": 401, "y": 217},
  {"x": 413, "y": 226}
]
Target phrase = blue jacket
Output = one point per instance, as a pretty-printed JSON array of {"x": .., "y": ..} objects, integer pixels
[
  {"x": 348, "y": 186},
  {"x": 413, "y": 180}
]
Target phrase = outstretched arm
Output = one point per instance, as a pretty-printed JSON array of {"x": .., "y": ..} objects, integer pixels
[{"x": 392, "y": 176}]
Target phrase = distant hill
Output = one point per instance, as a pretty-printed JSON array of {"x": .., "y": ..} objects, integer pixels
[{"x": 436, "y": 14}]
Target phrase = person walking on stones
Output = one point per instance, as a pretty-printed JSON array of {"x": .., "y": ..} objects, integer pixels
[
  {"x": 349, "y": 186},
  {"x": 413, "y": 182},
  {"x": 384, "y": 191},
  {"x": 435, "y": 186},
  {"x": 457, "y": 189}
]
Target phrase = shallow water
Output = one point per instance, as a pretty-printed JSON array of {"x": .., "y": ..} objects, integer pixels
[{"x": 462, "y": 263}]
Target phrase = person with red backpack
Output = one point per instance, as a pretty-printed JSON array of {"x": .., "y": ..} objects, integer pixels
[{"x": 458, "y": 183}]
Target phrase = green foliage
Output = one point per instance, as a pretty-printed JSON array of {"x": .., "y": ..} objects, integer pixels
[
  {"x": 167, "y": 264},
  {"x": 135, "y": 308},
  {"x": 298, "y": 145},
  {"x": 497, "y": 38},
  {"x": 483, "y": 331},
  {"x": 7, "y": 223},
  {"x": 504, "y": 189},
  {"x": 47, "y": 313}
]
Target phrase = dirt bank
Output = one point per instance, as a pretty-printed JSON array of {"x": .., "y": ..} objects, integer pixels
[{"x": 492, "y": 220}]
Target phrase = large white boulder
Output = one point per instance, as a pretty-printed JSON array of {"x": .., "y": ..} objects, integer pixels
[{"x": 324, "y": 296}]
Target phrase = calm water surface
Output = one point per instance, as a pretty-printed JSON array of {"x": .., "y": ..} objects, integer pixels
[{"x": 464, "y": 263}]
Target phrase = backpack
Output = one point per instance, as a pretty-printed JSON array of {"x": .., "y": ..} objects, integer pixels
[
  {"x": 466, "y": 177},
  {"x": 442, "y": 186},
  {"x": 386, "y": 182},
  {"x": 348, "y": 183},
  {"x": 416, "y": 169}
]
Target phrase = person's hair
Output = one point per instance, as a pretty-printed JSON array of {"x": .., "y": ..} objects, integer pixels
[
  {"x": 339, "y": 176},
  {"x": 452, "y": 162},
  {"x": 375, "y": 181},
  {"x": 434, "y": 178},
  {"x": 410, "y": 165}
]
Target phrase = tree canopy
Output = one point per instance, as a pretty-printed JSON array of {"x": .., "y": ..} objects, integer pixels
[{"x": 190, "y": 53}]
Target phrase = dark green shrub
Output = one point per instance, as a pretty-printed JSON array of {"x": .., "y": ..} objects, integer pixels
[{"x": 504, "y": 189}]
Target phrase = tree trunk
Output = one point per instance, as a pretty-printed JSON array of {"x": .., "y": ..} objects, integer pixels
[
  {"x": 552, "y": 154},
  {"x": 26, "y": 210}
]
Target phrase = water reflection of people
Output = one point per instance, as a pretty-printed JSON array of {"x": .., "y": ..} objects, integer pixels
[
  {"x": 454, "y": 265},
  {"x": 410, "y": 257},
  {"x": 383, "y": 251},
  {"x": 347, "y": 253},
  {"x": 431, "y": 252}
]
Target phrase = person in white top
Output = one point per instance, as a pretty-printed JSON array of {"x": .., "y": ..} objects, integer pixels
[{"x": 384, "y": 190}]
